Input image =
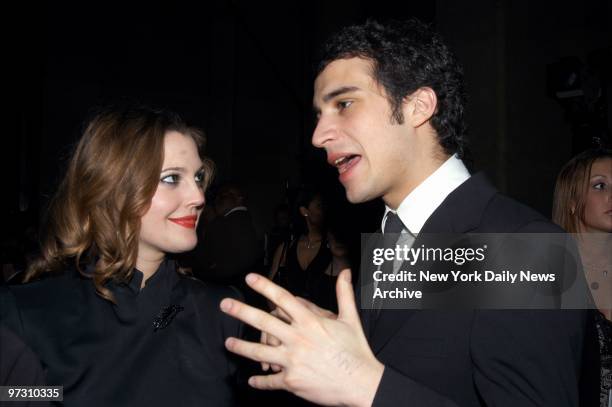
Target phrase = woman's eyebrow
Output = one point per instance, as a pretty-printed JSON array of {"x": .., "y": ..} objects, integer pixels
[{"x": 180, "y": 169}]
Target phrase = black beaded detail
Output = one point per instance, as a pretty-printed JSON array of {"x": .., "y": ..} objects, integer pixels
[{"x": 165, "y": 316}]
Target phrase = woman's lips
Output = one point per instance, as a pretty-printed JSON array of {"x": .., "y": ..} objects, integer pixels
[{"x": 186, "y": 221}]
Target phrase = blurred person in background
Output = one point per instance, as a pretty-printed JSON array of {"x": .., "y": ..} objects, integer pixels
[
  {"x": 299, "y": 265},
  {"x": 228, "y": 248},
  {"x": 583, "y": 205}
]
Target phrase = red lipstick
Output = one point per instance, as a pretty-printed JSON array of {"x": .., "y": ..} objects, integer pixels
[{"x": 185, "y": 221}]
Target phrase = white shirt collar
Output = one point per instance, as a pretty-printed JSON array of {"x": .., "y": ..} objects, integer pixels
[{"x": 418, "y": 206}]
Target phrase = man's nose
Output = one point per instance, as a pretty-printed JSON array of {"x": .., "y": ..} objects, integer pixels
[{"x": 325, "y": 132}]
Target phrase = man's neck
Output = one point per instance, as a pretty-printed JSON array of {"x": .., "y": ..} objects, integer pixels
[
  {"x": 422, "y": 201},
  {"x": 413, "y": 180}
]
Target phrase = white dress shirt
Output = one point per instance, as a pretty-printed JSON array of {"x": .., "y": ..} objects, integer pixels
[{"x": 418, "y": 205}]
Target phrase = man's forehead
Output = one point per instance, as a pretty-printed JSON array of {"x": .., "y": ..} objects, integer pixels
[{"x": 347, "y": 72}]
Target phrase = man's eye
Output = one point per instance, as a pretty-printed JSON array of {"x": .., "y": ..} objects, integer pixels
[
  {"x": 343, "y": 104},
  {"x": 171, "y": 179}
]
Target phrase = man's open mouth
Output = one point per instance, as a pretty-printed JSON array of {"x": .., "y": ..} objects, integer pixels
[{"x": 344, "y": 163}]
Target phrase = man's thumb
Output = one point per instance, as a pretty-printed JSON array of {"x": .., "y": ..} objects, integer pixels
[{"x": 347, "y": 309}]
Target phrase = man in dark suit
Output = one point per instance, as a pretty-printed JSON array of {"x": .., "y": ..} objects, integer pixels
[
  {"x": 227, "y": 248},
  {"x": 389, "y": 101}
]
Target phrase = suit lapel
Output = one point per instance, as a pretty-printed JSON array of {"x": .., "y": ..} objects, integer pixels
[
  {"x": 460, "y": 212},
  {"x": 365, "y": 284},
  {"x": 389, "y": 321}
]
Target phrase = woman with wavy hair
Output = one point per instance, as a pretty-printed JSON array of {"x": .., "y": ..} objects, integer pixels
[
  {"x": 583, "y": 205},
  {"x": 110, "y": 314}
]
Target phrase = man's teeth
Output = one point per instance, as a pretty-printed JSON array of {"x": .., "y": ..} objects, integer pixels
[
  {"x": 342, "y": 160},
  {"x": 339, "y": 161},
  {"x": 343, "y": 163}
]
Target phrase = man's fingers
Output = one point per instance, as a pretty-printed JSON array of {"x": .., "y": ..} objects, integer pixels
[
  {"x": 278, "y": 295},
  {"x": 268, "y": 339},
  {"x": 272, "y": 341},
  {"x": 268, "y": 382},
  {"x": 314, "y": 308},
  {"x": 347, "y": 309},
  {"x": 264, "y": 365},
  {"x": 255, "y": 351},
  {"x": 282, "y": 315},
  {"x": 256, "y": 318},
  {"x": 322, "y": 312}
]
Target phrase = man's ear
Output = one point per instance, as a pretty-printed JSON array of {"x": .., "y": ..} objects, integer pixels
[{"x": 420, "y": 106}]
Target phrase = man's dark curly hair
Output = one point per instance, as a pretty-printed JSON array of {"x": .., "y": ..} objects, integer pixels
[{"x": 406, "y": 56}]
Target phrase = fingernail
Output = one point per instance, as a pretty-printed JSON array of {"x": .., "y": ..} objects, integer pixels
[
  {"x": 226, "y": 305},
  {"x": 251, "y": 278},
  {"x": 252, "y": 381}
]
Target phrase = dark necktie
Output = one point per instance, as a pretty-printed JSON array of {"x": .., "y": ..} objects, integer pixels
[
  {"x": 391, "y": 232},
  {"x": 393, "y": 224}
]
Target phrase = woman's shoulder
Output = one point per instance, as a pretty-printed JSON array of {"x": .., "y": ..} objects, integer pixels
[
  {"x": 208, "y": 291},
  {"x": 207, "y": 297},
  {"x": 49, "y": 288},
  {"x": 33, "y": 302}
]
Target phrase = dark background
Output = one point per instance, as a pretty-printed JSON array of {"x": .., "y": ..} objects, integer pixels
[{"x": 242, "y": 71}]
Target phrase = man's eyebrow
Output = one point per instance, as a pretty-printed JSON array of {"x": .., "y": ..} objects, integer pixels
[{"x": 336, "y": 92}]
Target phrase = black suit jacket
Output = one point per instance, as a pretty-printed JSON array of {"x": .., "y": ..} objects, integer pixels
[{"x": 480, "y": 357}]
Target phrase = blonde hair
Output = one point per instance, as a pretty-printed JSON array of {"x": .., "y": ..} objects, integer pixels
[
  {"x": 111, "y": 179},
  {"x": 572, "y": 184}
]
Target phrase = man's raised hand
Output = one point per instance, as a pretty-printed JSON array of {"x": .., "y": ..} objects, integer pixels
[{"x": 322, "y": 359}]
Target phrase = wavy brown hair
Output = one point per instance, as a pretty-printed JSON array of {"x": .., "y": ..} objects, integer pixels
[
  {"x": 571, "y": 188},
  {"x": 114, "y": 172}
]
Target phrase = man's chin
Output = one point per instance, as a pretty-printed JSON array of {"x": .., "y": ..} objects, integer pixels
[{"x": 355, "y": 197}]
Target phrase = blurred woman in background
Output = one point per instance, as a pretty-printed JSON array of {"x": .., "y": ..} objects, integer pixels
[
  {"x": 583, "y": 205},
  {"x": 300, "y": 264}
]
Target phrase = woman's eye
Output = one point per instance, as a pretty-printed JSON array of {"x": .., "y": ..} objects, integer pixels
[
  {"x": 600, "y": 186},
  {"x": 199, "y": 178},
  {"x": 171, "y": 179}
]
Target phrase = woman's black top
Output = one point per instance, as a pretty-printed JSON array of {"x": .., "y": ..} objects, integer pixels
[
  {"x": 160, "y": 345},
  {"x": 604, "y": 334},
  {"x": 312, "y": 283}
]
